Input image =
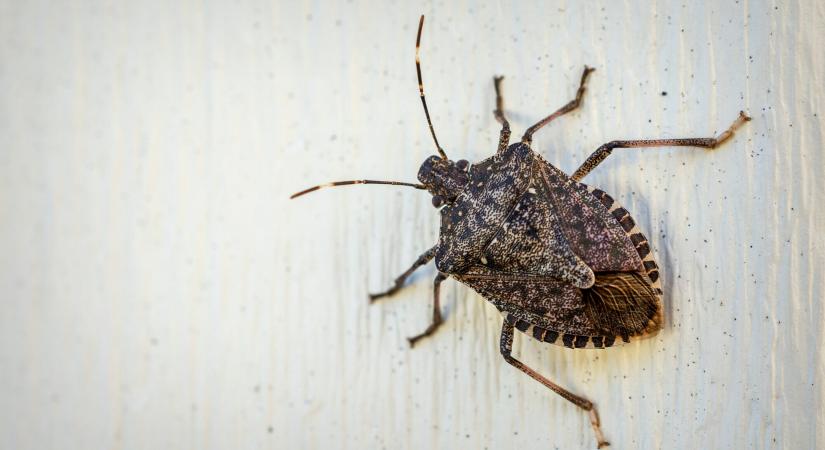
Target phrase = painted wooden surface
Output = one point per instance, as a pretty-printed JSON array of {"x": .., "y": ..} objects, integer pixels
[{"x": 159, "y": 290}]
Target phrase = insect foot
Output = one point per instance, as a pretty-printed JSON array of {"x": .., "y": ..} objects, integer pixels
[
  {"x": 594, "y": 421},
  {"x": 729, "y": 132}
]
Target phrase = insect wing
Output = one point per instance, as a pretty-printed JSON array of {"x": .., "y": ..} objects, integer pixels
[
  {"x": 591, "y": 231},
  {"x": 618, "y": 308},
  {"x": 623, "y": 304},
  {"x": 539, "y": 300}
]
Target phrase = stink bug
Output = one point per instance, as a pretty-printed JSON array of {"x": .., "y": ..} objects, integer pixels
[{"x": 562, "y": 261}]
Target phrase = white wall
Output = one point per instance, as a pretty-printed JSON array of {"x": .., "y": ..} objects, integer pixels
[{"x": 159, "y": 290}]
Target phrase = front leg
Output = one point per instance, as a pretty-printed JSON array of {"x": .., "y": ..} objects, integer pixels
[
  {"x": 399, "y": 282},
  {"x": 437, "y": 320},
  {"x": 604, "y": 151},
  {"x": 570, "y": 106},
  {"x": 504, "y": 136}
]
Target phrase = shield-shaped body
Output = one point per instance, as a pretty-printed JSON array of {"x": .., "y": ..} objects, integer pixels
[{"x": 563, "y": 261}]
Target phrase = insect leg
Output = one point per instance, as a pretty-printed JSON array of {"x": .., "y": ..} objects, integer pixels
[
  {"x": 570, "y": 106},
  {"x": 437, "y": 320},
  {"x": 604, "y": 151},
  {"x": 587, "y": 405},
  {"x": 399, "y": 282},
  {"x": 504, "y": 137}
]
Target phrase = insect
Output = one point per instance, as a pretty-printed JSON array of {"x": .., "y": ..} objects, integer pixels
[{"x": 562, "y": 261}]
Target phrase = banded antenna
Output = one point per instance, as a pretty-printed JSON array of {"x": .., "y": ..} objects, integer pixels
[
  {"x": 429, "y": 122},
  {"x": 421, "y": 87},
  {"x": 346, "y": 183}
]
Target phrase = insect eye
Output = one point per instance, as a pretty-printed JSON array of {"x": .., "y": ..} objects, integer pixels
[
  {"x": 438, "y": 200},
  {"x": 462, "y": 164}
]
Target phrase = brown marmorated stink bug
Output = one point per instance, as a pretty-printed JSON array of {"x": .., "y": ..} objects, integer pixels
[{"x": 561, "y": 260}]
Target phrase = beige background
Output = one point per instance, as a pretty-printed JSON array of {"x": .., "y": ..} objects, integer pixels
[{"x": 159, "y": 290}]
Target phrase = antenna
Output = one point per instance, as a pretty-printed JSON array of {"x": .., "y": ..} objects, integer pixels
[
  {"x": 345, "y": 183},
  {"x": 421, "y": 87}
]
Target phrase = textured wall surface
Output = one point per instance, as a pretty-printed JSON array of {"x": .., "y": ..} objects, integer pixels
[{"x": 159, "y": 290}]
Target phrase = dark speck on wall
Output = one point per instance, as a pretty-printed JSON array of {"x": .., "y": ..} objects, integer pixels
[{"x": 664, "y": 93}]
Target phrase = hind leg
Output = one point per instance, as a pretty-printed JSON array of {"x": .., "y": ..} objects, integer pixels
[
  {"x": 583, "y": 403},
  {"x": 604, "y": 151}
]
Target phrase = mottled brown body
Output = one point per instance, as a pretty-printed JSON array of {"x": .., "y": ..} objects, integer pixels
[{"x": 562, "y": 261}]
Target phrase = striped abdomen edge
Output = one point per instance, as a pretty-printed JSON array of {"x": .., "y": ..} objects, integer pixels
[{"x": 565, "y": 339}]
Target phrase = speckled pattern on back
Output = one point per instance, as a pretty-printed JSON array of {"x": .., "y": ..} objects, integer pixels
[
  {"x": 495, "y": 186},
  {"x": 530, "y": 240},
  {"x": 534, "y": 267}
]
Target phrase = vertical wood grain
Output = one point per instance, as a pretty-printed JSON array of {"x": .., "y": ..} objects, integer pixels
[{"x": 159, "y": 290}]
